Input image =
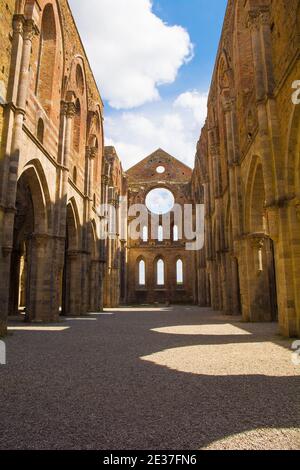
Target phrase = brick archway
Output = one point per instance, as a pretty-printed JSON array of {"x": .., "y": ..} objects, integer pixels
[{"x": 30, "y": 244}]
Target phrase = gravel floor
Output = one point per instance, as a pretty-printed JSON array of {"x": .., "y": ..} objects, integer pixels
[{"x": 170, "y": 378}]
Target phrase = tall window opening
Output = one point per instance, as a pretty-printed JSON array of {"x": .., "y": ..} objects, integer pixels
[
  {"x": 40, "y": 130},
  {"x": 175, "y": 233},
  {"x": 75, "y": 175},
  {"x": 46, "y": 60},
  {"x": 160, "y": 273},
  {"x": 145, "y": 234},
  {"x": 76, "y": 130},
  {"x": 79, "y": 79},
  {"x": 160, "y": 234},
  {"x": 142, "y": 273},
  {"x": 179, "y": 272}
]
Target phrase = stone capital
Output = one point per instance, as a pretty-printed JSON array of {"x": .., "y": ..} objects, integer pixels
[
  {"x": 68, "y": 109},
  {"x": 257, "y": 240},
  {"x": 214, "y": 150},
  {"x": 258, "y": 17},
  {"x": 228, "y": 103},
  {"x": 29, "y": 30},
  {"x": 18, "y": 24},
  {"x": 88, "y": 152},
  {"x": 253, "y": 20},
  {"x": 93, "y": 153}
]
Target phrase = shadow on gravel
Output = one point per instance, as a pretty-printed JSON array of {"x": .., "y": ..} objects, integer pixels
[{"x": 89, "y": 388}]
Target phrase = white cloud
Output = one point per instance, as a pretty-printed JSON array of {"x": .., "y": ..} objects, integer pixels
[
  {"x": 131, "y": 50},
  {"x": 196, "y": 102},
  {"x": 174, "y": 126}
]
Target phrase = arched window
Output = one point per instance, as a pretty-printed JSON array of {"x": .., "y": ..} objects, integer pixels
[
  {"x": 40, "y": 130},
  {"x": 76, "y": 129},
  {"x": 145, "y": 234},
  {"x": 142, "y": 273},
  {"x": 160, "y": 233},
  {"x": 179, "y": 272},
  {"x": 160, "y": 273},
  {"x": 79, "y": 79},
  {"x": 75, "y": 175},
  {"x": 46, "y": 60},
  {"x": 260, "y": 260},
  {"x": 175, "y": 233}
]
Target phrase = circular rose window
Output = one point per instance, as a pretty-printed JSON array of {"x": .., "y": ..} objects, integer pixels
[
  {"x": 160, "y": 170},
  {"x": 160, "y": 201}
]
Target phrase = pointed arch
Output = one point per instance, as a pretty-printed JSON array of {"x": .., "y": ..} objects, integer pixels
[
  {"x": 92, "y": 238},
  {"x": 242, "y": 48},
  {"x": 75, "y": 86},
  {"x": 179, "y": 272},
  {"x": 225, "y": 72},
  {"x": 34, "y": 175},
  {"x": 32, "y": 222},
  {"x": 141, "y": 271},
  {"x": 255, "y": 198},
  {"x": 75, "y": 90},
  {"x": 160, "y": 277},
  {"x": 73, "y": 225},
  {"x": 292, "y": 159},
  {"x": 46, "y": 58}
]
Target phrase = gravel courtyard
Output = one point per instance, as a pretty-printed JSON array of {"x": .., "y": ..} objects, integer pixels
[{"x": 149, "y": 378}]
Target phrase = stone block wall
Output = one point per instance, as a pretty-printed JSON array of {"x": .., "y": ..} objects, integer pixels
[{"x": 247, "y": 167}]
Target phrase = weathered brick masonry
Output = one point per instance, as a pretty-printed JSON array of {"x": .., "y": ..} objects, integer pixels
[
  {"x": 248, "y": 166},
  {"x": 52, "y": 160},
  {"x": 176, "y": 178},
  {"x": 55, "y": 172}
]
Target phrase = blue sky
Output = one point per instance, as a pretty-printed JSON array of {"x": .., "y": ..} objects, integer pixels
[
  {"x": 153, "y": 63},
  {"x": 203, "y": 20}
]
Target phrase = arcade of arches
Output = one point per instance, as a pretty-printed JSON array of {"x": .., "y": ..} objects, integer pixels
[{"x": 55, "y": 172}]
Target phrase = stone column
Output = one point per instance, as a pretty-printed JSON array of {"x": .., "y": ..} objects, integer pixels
[
  {"x": 233, "y": 162},
  {"x": 258, "y": 278},
  {"x": 273, "y": 166},
  {"x": 102, "y": 283},
  {"x": 96, "y": 286},
  {"x": 74, "y": 291},
  {"x": 104, "y": 242},
  {"x": 91, "y": 153},
  {"x": 92, "y": 158},
  {"x": 22, "y": 53},
  {"x": 269, "y": 142},
  {"x": 84, "y": 282},
  {"x": 68, "y": 113},
  {"x": 12, "y": 93},
  {"x": 43, "y": 281},
  {"x": 232, "y": 284},
  {"x": 115, "y": 255},
  {"x": 236, "y": 300},
  {"x": 285, "y": 231}
]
